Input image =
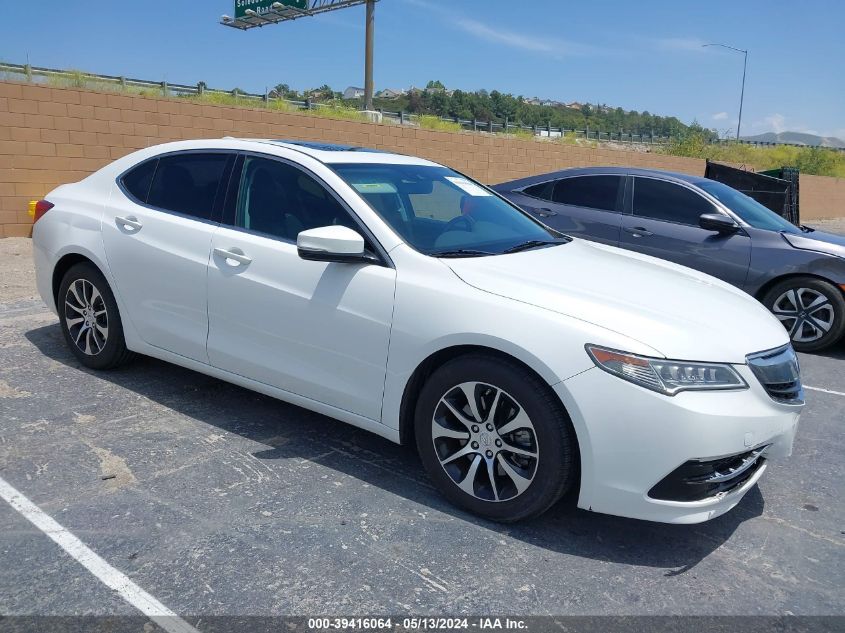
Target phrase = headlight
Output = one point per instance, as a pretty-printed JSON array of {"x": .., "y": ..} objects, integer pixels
[{"x": 666, "y": 376}]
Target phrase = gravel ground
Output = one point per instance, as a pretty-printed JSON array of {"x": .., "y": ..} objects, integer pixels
[
  {"x": 220, "y": 501},
  {"x": 17, "y": 278},
  {"x": 836, "y": 225}
]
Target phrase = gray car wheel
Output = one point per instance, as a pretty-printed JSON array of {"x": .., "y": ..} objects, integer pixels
[{"x": 812, "y": 311}]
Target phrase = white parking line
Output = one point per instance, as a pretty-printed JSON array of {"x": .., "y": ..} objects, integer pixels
[
  {"x": 835, "y": 393},
  {"x": 105, "y": 573}
]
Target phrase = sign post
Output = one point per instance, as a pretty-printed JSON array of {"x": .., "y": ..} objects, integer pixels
[{"x": 252, "y": 13}]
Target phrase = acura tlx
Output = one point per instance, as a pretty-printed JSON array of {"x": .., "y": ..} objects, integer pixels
[{"x": 402, "y": 297}]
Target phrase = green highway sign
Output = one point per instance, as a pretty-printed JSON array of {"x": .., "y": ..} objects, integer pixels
[{"x": 263, "y": 6}]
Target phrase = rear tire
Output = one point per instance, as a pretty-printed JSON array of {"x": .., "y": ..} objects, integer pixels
[
  {"x": 495, "y": 438},
  {"x": 89, "y": 318},
  {"x": 811, "y": 310}
]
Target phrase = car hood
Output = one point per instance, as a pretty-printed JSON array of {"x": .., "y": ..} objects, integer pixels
[
  {"x": 818, "y": 241},
  {"x": 682, "y": 313}
]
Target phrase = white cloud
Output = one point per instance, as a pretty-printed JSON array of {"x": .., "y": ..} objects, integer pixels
[
  {"x": 513, "y": 39},
  {"x": 720, "y": 116},
  {"x": 527, "y": 41},
  {"x": 775, "y": 122}
]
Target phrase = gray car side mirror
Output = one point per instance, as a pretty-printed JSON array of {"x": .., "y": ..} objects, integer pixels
[{"x": 717, "y": 222}]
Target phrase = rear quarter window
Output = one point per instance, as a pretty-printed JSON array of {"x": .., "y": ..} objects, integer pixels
[
  {"x": 137, "y": 180},
  {"x": 543, "y": 190}
]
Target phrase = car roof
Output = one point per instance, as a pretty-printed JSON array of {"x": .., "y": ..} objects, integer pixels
[
  {"x": 336, "y": 153},
  {"x": 609, "y": 170}
]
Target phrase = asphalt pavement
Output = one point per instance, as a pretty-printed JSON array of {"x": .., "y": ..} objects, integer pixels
[{"x": 219, "y": 501}]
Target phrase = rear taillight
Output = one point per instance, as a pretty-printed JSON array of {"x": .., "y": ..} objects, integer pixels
[{"x": 38, "y": 208}]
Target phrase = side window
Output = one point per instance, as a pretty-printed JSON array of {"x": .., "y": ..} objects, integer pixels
[
  {"x": 280, "y": 200},
  {"x": 543, "y": 190},
  {"x": 187, "y": 183},
  {"x": 593, "y": 192},
  {"x": 668, "y": 201},
  {"x": 138, "y": 180}
]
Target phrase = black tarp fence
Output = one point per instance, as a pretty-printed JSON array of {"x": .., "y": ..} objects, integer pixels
[{"x": 775, "y": 189}]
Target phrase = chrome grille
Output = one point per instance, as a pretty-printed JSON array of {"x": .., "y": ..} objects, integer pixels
[{"x": 778, "y": 372}]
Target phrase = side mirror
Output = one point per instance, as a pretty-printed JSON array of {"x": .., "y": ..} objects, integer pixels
[
  {"x": 717, "y": 222},
  {"x": 332, "y": 244}
]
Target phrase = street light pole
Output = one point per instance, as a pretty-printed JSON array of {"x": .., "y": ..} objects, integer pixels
[
  {"x": 368, "y": 56},
  {"x": 742, "y": 92}
]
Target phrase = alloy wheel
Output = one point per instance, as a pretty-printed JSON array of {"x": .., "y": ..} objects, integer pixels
[
  {"x": 485, "y": 441},
  {"x": 806, "y": 313},
  {"x": 86, "y": 317}
]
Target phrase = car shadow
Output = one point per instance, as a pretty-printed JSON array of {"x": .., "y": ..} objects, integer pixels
[
  {"x": 397, "y": 470},
  {"x": 837, "y": 352}
]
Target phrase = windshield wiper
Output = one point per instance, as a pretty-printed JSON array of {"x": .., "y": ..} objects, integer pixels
[
  {"x": 806, "y": 229},
  {"x": 461, "y": 252},
  {"x": 524, "y": 246}
]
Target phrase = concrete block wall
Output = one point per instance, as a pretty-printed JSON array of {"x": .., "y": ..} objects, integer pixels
[{"x": 50, "y": 136}]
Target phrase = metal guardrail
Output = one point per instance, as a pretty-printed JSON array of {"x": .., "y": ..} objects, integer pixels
[{"x": 168, "y": 89}]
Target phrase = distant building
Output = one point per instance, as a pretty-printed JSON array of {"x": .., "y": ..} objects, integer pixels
[
  {"x": 353, "y": 93},
  {"x": 390, "y": 93},
  {"x": 574, "y": 105}
]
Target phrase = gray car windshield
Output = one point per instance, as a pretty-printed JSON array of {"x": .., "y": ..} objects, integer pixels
[
  {"x": 442, "y": 213},
  {"x": 751, "y": 211}
]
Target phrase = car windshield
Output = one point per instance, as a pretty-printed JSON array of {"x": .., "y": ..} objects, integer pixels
[
  {"x": 751, "y": 211},
  {"x": 439, "y": 212}
]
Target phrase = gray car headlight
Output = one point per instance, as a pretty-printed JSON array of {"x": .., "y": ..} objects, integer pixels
[{"x": 666, "y": 376}]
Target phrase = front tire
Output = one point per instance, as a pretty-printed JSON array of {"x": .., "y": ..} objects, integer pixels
[
  {"x": 89, "y": 318},
  {"x": 495, "y": 438},
  {"x": 811, "y": 310}
]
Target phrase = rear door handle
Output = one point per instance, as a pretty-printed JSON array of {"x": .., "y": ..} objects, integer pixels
[
  {"x": 236, "y": 256},
  {"x": 638, "y": 231},
  {"x": 545, "y": 213},
  {"x": 129, "y": 223}
]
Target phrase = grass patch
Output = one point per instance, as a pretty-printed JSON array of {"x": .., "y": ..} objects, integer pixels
[
  {"x": 432, "y": 122},
  {"x": 338, "y": 111},
  {"x": 818, "y": 161}
]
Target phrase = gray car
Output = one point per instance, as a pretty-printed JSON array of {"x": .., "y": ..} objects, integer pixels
[{"x": 797, "y": 272}]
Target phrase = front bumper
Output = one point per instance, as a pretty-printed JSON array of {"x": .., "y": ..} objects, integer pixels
[{"x": 639, "y": 447}]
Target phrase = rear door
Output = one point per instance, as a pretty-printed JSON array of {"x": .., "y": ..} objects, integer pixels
[
  {"x": 586, "y": 206},
  {"x": 157, "y": 235},
  {"x": 663, "y": 222}
]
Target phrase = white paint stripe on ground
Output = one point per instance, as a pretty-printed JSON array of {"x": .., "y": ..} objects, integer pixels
[
  {"x": 85, "y": 556},
  {"x": 835, "y": 393}
]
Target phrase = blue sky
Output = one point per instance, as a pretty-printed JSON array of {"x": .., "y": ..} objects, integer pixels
[{"x": 641, "y": 55}]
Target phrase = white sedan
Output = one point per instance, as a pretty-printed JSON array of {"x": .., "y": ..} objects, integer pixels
[{"x": 402, "y": 297}]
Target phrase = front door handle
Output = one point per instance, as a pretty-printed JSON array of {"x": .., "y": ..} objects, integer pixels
[
  {"x": 236, "y": 256},
  {"x": 545, "y": 213},
  {"x": 129, "y": 223},
  {"x": 638, "y": 231}
]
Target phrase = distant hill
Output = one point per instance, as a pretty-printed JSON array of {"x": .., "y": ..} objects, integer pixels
[{"x": 797, "y": 138}]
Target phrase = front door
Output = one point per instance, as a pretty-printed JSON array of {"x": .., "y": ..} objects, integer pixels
[
  {"x": 664, "y": 224},
  {"x": 316, "y": 329}
]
